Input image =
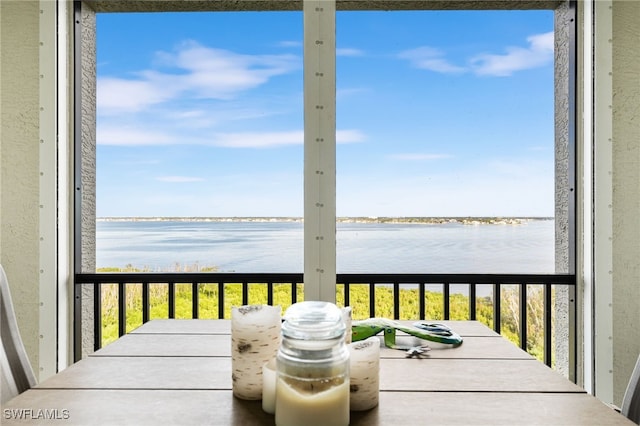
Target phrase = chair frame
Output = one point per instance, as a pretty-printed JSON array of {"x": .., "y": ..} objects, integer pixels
[
  {"x": 17, "y": 373},
  {"x": 631, "y": 401}
]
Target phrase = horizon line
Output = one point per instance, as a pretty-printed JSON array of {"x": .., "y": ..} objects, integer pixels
[{"x": 337, "y": 217}]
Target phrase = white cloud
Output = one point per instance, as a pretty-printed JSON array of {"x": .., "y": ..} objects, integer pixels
[
  {"x": 290, "y": 43},
  {"x": 430, "y": 58},
  {"x": 345, "y": 93},
  {"x": 274, "y": 139},
  {"x": 349, "y": 52},
  {"x": 419, "y": 157},
  {"x": 350, "y": 136},
  {"x": 258, "y": 139},
  {"x": 539, "y": 53},
  {"x": 179, "y": 179},
  {"x": 116, "y": 94},
  {"x": 124, "y": 136},
  {"x": 196, "y": 71}
]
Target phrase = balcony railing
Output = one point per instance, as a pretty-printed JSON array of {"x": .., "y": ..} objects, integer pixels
[{"x": 479, "y": 291}]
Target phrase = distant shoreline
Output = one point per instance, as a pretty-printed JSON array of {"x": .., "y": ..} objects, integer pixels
[{"x": 468, "y": 220}]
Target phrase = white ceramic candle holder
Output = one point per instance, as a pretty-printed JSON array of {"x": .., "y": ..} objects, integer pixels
[
  {"x": 255, "y": 338},
  {"x": 269, "y": 387}
]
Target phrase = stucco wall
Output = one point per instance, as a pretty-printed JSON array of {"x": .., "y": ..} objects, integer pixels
[
  {"x": 626, "y": 191},
  {"x": 563, "y": 207},
  {"x": 19, "y": 163}
]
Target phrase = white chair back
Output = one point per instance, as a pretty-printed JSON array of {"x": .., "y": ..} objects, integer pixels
[
  {"x": 631, "y": 401},
  {"x": 15, "y": 368}
]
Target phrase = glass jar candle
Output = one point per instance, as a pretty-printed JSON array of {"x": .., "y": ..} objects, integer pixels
[{"x": 312, "y": 384}]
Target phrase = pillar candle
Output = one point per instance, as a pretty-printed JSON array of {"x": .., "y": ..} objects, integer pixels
[
  {"x": 346, "y": 317},
  {"x": 365, "y": 374},
  {"x": 255, "y": 338}
]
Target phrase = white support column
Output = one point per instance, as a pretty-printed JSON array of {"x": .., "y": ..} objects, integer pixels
[
  {"x": 64, "y": 197},
  {"x": 47, "y": 190},
  {"x": 603, "y": 200},
  {"x": 319, "y": 150},
  {"x": 587, "y": 199}
]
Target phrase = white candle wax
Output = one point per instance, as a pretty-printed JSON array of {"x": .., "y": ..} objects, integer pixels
[
  {"x": 269, "y": 387},
  {"x": 327, "y": 408},
  {"x": 255, "y": 338},
  {"x": 346, "y": 317},
  {"x": 365, "y": 374}
]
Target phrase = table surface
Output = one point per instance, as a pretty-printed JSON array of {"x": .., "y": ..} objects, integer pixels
[{"x": 179, "y": 372}]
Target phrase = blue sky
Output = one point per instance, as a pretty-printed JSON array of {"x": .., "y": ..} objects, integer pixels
[{"x": 438, "y": 114}]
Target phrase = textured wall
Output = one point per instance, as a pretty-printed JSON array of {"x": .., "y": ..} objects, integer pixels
[
  {"x": 19, "y": 163},
  {"x": 88, "y": 75},
  {"x": 626, "y": 192},
  {"x": 563, "y": 189}
]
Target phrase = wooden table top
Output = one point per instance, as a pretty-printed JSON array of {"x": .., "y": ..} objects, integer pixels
[{"x": 179, "y": 372}]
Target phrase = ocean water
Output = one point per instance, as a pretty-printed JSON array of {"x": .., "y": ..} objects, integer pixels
[{"x": 361, "y": 247}]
